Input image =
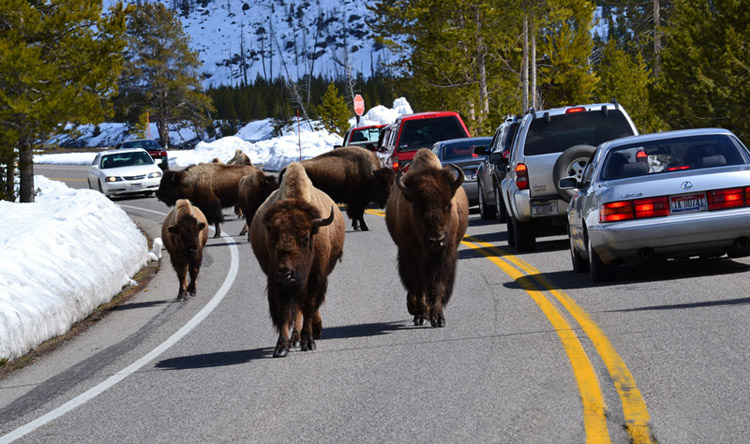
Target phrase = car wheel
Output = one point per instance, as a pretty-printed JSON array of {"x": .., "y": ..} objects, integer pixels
[
  {"x": 571, "y": 163},
  {"x": 580, "y": 265},
  {"x": 599, "y": 271},
  {"x": 510, "y": 232},
  {"x": 484, "y": 211},
  {"x": 500, "y": 212},
  {"x": 523, "y": 232}
]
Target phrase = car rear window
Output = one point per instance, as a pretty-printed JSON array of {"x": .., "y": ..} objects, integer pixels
[
  {"x": 463, "y": 150},
  {"x": 126, "y": 160},
  {"x": 423, "y": 133},
  {"x": 566, "y": 130},
  {"x": 365, "y": 135},
  {"x": 684, "y": 153}
]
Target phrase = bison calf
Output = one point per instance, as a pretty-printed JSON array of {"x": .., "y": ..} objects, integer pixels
[
  {"x": 184, "y": 233},
  {"x": 297, "y": 236},
  {"x": 427, "y": 215}
]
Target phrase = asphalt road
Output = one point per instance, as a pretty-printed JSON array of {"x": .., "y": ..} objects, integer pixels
[{"x": 531, "y": 353}]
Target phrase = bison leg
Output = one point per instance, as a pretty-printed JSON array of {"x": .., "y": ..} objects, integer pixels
[
  {"x": 182, "y": 277},
  {"x": 357, "y": 215},
  {"x": 218, "y": 230},
  {"x": 282, "y": 347},
  {"x": 416, "y": 305},
  {"x": 244, "y": 230},
  {"x": 282, "y": 316},
  {"x": 435, "y": 301},
  {"x": 296, "y": 340},
  {"x": 194, "y": 270},
  {"x": 317, "y": 325}
]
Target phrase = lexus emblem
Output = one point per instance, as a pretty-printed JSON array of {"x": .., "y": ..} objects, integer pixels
[{"x": 687, "y": 185}]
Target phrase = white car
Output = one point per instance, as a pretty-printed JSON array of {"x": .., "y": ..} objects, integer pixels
[
  {"x": 677, "y": 194},
  {"x": 124, "y": 171}
]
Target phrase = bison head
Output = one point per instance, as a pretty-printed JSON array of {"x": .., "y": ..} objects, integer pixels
[
  {"x": 383, "y": 183},
  {"x": 169, "y": 187},
  {"x": 291, "y": 226},
  {"x": 430, "y": 193},
  {"x": 188, "y": 229}
]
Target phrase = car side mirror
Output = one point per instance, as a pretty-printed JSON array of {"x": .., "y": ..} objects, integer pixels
[{"x": 568, "y": 183}]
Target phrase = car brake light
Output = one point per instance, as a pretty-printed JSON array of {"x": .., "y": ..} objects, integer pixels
[
  {"x": 724, "y": 199},
  {"x": 578, "y": 109},
  {"x": 651, "y": 207},
  {"x": 616, "y": 211},
  {"x": 522, "y": 177},
  {"x": 641, "y": 155},
  {"x": 394, "y": 163},
  {"x": 634, "y": 209}
]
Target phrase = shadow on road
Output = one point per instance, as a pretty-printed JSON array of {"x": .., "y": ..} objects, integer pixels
[
  {"x": 361, "y": 330},
  {"x": 218, "y": 359}
]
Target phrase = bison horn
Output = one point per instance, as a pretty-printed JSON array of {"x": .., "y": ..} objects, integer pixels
[
  {"x": 459, "y": 178},
  {"x": 401, "y": 186},
  {"x": 320, "y": 222}
]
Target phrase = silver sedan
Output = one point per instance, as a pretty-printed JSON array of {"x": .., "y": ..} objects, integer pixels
[
  {"x": 678, "y": 194},
  {"x": 124, "y": 171}
]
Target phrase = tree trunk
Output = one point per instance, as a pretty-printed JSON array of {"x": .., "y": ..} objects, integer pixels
[
  {"x": 26, "y": 166},
  {"x": 484, "y": 104},
  {"x": 657, "y": 37},
  {"x": 525, "y": 66},
  {"x": 535, "y": 102}
]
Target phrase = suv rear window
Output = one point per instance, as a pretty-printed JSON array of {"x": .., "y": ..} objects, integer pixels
[
  {"x": 423, "y": 133},
  {"x": 566, "y": 130}
]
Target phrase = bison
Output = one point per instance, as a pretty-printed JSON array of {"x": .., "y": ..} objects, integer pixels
[
  {"x": 427, "y": 215},
  {"x": 297, "y": 236},
  {"x": 209, "y": 186},
  {"x": 253, "y": 189},
  {"x": 240, "y": 158},
  {"x": 354, "y": 176},
  {"x": 184, "y": 233}
]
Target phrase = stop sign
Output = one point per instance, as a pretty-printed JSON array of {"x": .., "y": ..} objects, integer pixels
[{"x": 359, "y": 105}]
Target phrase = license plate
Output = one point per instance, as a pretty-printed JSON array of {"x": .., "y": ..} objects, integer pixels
[
  {"x": 136, "y": 186},
  {"x": 544, "y": 208},
  {"x": 688, "y": 203}
]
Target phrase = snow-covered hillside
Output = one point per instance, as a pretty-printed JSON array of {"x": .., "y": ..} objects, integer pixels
[{"x": 288, "y": 38}]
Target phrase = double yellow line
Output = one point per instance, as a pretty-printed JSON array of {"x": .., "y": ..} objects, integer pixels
[{"x": 594, "y": 408}]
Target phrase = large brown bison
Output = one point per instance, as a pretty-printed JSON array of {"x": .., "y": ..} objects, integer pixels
[
  {"x": 184, "y": 233},
  {"x": 253, "y": 190},
  {"x": 354, "y": 176},
  {"x": 209, "y": 186},
  {"x": 297, "y": 236},
  {"x": 427, "y": 215}
]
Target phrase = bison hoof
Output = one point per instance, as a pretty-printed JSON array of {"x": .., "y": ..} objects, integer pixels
[
  {"x": 280, "y": 352},
  {"x": 418, "y": 320},
  {"x": 181, "y": 295},
  {"x": 308, "y": 345},
  {"x": 437, "y": 322}
]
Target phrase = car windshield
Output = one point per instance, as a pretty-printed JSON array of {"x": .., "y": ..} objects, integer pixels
[
  {"x": 145, "y": 144},
  {"x": 462, "y": 150},
  {"x": 683, "y": 153},
  {"x": 423, "y": 133},
  {"x": 365, "y": 135},
  {"x": 126, "y": 159},
  {"x": 566, "y": 130}
]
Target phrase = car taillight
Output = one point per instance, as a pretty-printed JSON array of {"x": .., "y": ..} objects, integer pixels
[
  {"x": 578, "y": 109},
  {"x": 522, "y": 177},
  {"x": 394, "y": 163},
  {"x": 634, "y": 209},
  {"x": 616, "y": 211},
  {"x": 725, "y": 199},
  {"x": 651, "y": 207}
]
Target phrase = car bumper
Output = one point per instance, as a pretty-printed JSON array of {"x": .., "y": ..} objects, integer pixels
[
  {"x": 709, "y": 233},
  {"x": 130, "y": 186},
  {"x": 529, "y": 208},
  {"x": 470, "y": 186}
]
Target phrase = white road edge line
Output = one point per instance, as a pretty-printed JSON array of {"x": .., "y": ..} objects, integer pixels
[{"x": 135, "y": 366}]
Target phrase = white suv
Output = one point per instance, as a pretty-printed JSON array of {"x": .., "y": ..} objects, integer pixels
[{"x": 550, "y": 145}]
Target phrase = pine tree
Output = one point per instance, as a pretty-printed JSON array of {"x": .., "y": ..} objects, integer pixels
[
  {"x": 333, "y": 111},
  {"x": 59, "y": 63},
  {"x": 161, "y": 72},
  {"x": 705, "y": 74},
  {"x": 629, "y": 81}
]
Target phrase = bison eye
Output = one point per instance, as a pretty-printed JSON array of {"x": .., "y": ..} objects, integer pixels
[{"x": 447, "y": 208}]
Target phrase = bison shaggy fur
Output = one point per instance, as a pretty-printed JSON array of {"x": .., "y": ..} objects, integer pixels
[
  {"x": 427, "y": 215},
  {"x": 209, "y": 186},
  {"x": 253, "y": 190},
  {"x": 353, "y": 176},
  {"x": 184, "y": 233},
  {"x": 297, "y": 236}
]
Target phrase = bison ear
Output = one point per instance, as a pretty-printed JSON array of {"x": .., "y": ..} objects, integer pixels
[
  {"x": 173, "y": 229},
  {"x": 201, "y": 226}
]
